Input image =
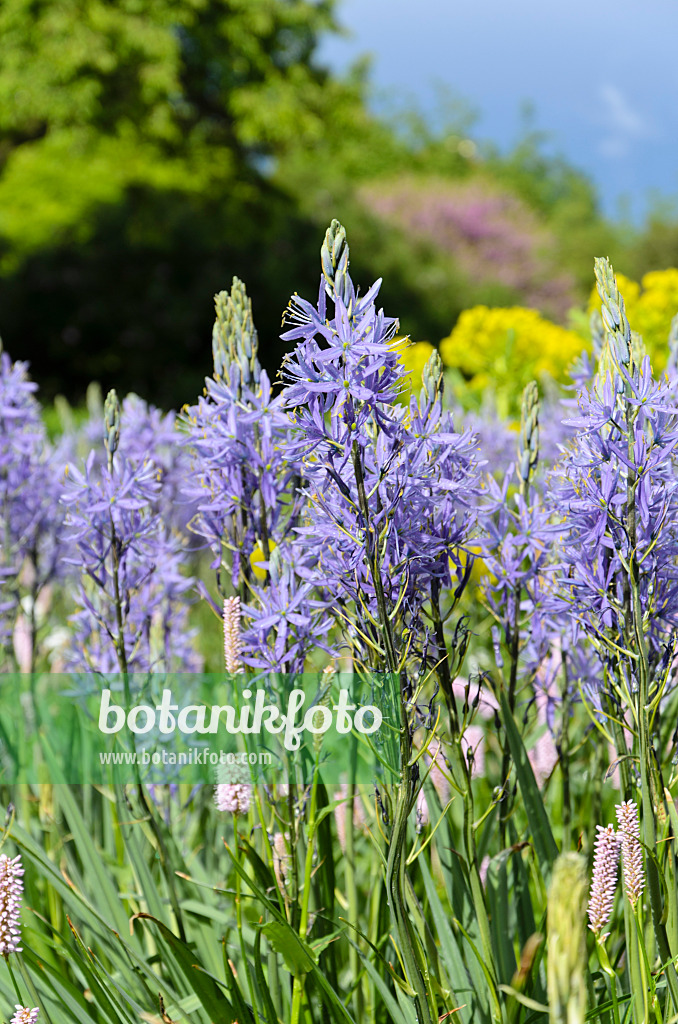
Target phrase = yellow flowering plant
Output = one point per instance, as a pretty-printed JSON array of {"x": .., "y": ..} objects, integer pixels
[
  {"x": 414, "y": 357},
  {"x": 501, "y": 349},
  {"x": 650, "y": 307}
]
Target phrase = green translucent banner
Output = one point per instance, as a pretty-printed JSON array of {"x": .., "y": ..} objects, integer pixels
[{"x": 173, "y": 728}]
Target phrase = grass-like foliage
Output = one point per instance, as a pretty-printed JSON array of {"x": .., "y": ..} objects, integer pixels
[{"x": 515, "y": 584}]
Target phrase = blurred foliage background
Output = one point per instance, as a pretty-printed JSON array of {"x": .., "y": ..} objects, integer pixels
[{"x": 150, "y": 149}]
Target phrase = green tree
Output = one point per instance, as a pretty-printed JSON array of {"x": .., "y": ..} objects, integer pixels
[
  {"x": 97, "y": 97},
  {"x": 151, "y": 149},
  {"x": 137, "y": 141}
]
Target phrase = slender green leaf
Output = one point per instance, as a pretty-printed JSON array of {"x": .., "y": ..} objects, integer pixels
[{"x": 540, "y": 829}]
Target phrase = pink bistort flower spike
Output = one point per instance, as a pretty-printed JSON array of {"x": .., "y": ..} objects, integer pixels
[
  {"x": 232, "y": 641},
  {"x": 604, "y": 881},
  {"x": 631, "y": 850},
  {"x": 24, "y": 1015},
  {"x": 341, "y": 814},
  {"x": 281, "y": 858},
  {"x": 232, "y": 797},
  {"x": 11, "y": 889}
]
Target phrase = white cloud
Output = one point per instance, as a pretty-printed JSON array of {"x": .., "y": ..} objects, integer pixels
[{"x": 623, "y": 124}]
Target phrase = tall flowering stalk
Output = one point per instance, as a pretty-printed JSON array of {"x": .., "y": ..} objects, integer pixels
[
  {"x": 631, "y": 851},
  {"x": 388, "y": 495},
  {"x": 33, "y": 548},
  {"x": 11, "y": 893},
  {"x": 233, "y": 434},
  {"x": 133, "y": 615},
  {"x": 601, "y": 904},
  {"x": 566, "y": 939},
  {"x": 604, "y": 880},
  {"x": 618, "y": 507},
  {"x": 247, "y": 497},
  {"x": 634, "y": 883},
  {"x": 134, "y": 593},
  {"x": 517, "y": 551},
  {"x": 232, "y": 638}
]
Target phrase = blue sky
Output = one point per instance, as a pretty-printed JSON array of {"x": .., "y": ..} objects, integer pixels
[{"x": 602, "y": 77}]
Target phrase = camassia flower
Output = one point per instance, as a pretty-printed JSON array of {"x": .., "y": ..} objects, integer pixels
[
  {"x": 133, "y": 593},
  {"x": 347, "y": 358},
  {"x": 385, "y": 482},
  {"x": 284, "y": 619},
  {"x": 615, "y": 492},
  {"x": 240, "y": 486},
  {"x": 149, "y": 435},
  {"x": 33, "y": 549}
]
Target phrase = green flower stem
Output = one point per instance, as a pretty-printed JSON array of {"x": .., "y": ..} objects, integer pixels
[
  {"x": 636, "y": 964},
  {"x": 352, "y": 895},
  {"x": 35, "y": 998},
  {"x": 444, "y": 673},
  {"x": 462, "y": 777},
  {"x": 375, "y": 933},
  {"x": 670, "y": 833},
  {"x": 168, "y": 873},
  {"x": 266, "y": 842},
  {"x": 15, "y": 984},
  {"x": 395, "y": 887},
  {"x": 462, "y": 780},
  {"x": 405, "y": 795},
  {"x": 649, "y": 986},
  {"x": 608, "y": 970},
  {"x": 238, "y": 919},
  {"x": 564, "y": 760},
  {"x": 651, "y": 864},
  {"x": 294, "y": 865},
  {"x": 650, "y": 785},
  {"x": 299, "y": 979}
]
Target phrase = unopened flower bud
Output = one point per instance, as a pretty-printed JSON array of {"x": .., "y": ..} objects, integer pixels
[
  {"x": 334, "y": 260},
  {"x": 566, "y": 940},
  {"x": 111, "y": 423},
  {"x": 613, "y": 312}
]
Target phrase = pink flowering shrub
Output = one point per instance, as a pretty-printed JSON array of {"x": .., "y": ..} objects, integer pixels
[{"x": 491, "y": 235}]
